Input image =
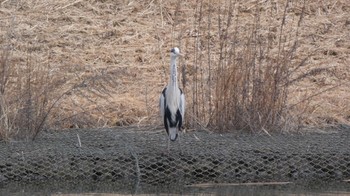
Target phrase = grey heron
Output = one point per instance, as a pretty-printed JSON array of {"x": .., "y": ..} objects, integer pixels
[{"x": 172, "y": 101}]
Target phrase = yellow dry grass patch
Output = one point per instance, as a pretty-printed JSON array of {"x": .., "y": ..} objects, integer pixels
[{"x": 130, "y": 40}]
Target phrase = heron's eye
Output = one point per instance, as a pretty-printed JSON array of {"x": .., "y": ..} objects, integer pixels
[{"x": 172, "y": 50}]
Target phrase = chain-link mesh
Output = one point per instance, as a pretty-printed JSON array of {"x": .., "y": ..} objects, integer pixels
[{"x": 138, "y": 156}]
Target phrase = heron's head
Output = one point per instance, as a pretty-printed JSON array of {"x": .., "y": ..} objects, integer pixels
[{"x": 175, "y": 52}]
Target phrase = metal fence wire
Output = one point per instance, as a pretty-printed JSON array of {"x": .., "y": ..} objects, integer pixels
[{"x": 134, "y": 155}]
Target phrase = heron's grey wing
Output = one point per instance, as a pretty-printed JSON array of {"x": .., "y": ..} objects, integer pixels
[
  {"x": 182, "y": 105},
  {"x": 161, "y": 105}
]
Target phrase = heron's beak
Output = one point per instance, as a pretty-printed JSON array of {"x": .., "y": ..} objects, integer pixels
[{"x": 181, "y": 54}]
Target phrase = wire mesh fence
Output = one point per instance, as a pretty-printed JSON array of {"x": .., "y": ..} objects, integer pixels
[{"x": 133, "y": 155}]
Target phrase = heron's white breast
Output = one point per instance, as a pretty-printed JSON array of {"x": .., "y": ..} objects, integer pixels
[{"x": 173, "y": 100}]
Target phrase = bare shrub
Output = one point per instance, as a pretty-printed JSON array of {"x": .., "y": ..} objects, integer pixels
[
  {"x": 243, "y": 83},
  {"x": 31, "y": 93}
]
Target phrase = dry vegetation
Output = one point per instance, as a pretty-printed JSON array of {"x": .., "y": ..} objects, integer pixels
[{"x": 253, "y": 65}]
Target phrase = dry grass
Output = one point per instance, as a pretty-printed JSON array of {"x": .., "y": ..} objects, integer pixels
[{"x": 114, "y": 54}]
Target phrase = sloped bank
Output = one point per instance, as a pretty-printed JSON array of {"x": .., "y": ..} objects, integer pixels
[{"x": 131, "y": 155}]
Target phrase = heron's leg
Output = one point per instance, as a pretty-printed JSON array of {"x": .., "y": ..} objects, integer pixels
[
  {"x": 168, "y": 146},
  {"x": 166, "y": 151},
  {"x": 180, "y": 143}
]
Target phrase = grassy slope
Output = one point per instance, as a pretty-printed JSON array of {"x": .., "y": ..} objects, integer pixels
[{"x": 130, "y": 41}]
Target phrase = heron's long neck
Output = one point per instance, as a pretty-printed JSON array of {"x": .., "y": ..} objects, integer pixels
[
  {"x": 173, "y": 73},
  {"x": 172, "y": 95}
]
